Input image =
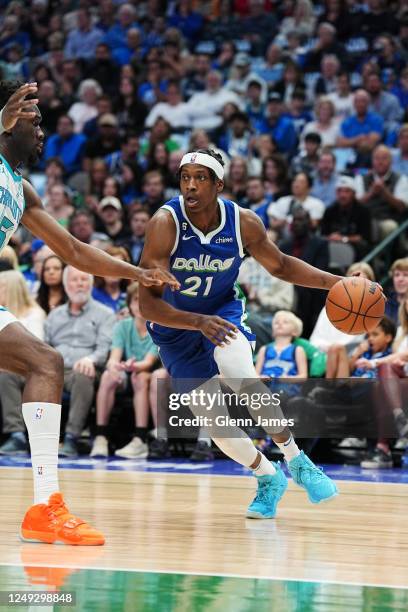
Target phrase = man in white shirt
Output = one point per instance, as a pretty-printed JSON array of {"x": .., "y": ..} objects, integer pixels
[
  {"x": 174, "y": 110},
  {"x": 280, "y": 213},
  {"x": 204, "y": 108}
]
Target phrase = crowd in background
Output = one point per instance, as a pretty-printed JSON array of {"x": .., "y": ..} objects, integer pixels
[{"x": 307, "y": 104}]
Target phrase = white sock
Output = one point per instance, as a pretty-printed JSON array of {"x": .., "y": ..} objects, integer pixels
[
  {"x": 264, "y": 468},
  {"x": 43, "y": 425},
  {"x": 289, "y": 448}
]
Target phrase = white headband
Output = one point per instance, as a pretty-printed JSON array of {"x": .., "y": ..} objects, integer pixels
[{"x": 204, "y": 160}]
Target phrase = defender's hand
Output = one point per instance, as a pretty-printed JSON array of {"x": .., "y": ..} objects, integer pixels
[
  {"x": 17, "y": 106},
  {"x": 218, "y": 330},
  {"x": 158, "y": 276}
]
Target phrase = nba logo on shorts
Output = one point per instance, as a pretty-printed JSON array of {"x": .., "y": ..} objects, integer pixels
[
  {"x": 39, "y": 413},
  {"x": 40, "y": 470}
]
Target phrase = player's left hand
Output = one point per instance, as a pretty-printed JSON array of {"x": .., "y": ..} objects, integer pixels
[
  {"x": 158, "y": 277},
  {"x": 85, "y": 366},
  {"x": 17, "y": 106}
]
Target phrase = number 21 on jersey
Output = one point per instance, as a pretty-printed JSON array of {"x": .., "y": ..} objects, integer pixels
[{"x": 195, "y": 283}]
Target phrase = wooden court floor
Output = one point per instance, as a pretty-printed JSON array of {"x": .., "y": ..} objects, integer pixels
[{"x": 193, "y": 526}]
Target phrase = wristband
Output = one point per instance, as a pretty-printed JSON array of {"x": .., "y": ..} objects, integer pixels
[{"x": 1, "y": 121}]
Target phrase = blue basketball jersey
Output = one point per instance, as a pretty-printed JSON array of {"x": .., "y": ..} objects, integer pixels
[{"x": 207, "y": 266}]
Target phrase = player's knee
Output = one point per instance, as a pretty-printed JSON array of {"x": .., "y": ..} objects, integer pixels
[{"x": 48, "y": 362}]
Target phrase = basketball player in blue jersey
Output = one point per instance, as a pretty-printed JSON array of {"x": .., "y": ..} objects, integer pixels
[
  {"x": 200, "y": 330},
  {"x": 21, "y": 141}
]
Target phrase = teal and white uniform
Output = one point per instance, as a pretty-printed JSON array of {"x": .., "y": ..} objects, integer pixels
[{"x": 11, "y": 210}]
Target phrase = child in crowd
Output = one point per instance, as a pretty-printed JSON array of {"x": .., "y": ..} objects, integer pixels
[
  {"x": 281, "y": 358},
  {"x": 133, "y": 356},
  {"x": 363, "y": 363}
]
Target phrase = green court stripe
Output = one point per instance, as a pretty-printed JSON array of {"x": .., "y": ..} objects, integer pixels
[{"x": 109, "y": 590}]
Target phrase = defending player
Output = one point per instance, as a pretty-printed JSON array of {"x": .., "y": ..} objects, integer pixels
[
  {"x": 21, "y": 141},
  {"x": 200, "y": 329}
]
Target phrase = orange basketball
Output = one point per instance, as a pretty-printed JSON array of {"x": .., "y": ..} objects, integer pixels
[{"x": 355, "y": 305}]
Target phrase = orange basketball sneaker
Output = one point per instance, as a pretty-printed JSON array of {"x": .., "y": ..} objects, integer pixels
[{"x": 53, "y": 523}]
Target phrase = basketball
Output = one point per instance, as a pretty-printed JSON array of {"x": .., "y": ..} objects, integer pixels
[{"x": 355, "y": 305}]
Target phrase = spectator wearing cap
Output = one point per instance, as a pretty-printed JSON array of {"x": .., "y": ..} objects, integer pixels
[
  {"x": 107, "y": 141},
  {"x": 204, "y": 108},
  {"x": 384, "y": 192},
  {"x": 110, "y": 212},
  {"x": 400, "y": 155},
  {"x": 325, "y": 124},
  {"x": 308, "y": 158},
  {"x": 281, "y": 212},
  {"x": 66, "y": 145},
  {"x": 80, "y": 112},
  {"x": 325, "y": 178},
  {"x": 346, "y": 220},
  {"x": 342, "y": 97},
  {"x": 363, "y": 130},
  {"x": 383, "y": 103},
  {"x": 173, "y": 110},
  {"x": 297, "y": 111},
  {"x": 242, "y": 74},
  {"x": 270, "y": 69},
  {"x": 278, "y": 126},
  {"x": 83, "y": 40},
  {"x": 235, "y": 140}
]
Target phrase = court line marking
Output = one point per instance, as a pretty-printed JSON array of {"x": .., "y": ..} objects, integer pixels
[
  {"x": 192, "y": 473},
  {"x": 209, "y": 574}
]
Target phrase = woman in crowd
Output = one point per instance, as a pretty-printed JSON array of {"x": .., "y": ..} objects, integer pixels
[
  {"x": 132, "y": 358},
  {"x": 325, "y": 124},
  {"x": 237, "y": 178},
  {"x": 51, "y": 292},
  {"x": 275, "y": 176}
]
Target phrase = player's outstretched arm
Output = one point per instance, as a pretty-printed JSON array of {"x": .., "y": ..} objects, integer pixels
[
  {"x": 285, "y": 267},
  {"x": 80, "y": 255},
  {"x": 159, "y": 242}
]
